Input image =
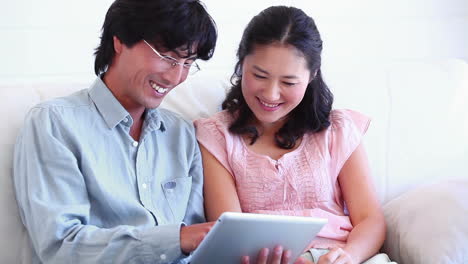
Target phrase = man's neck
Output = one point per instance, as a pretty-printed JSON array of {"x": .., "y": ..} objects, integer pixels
[
  {"x": 136, "y": 111},
  {"x": 135, "y": 129}
]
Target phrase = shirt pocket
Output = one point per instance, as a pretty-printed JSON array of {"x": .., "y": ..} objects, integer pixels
[{"x": 177, "y": 193}]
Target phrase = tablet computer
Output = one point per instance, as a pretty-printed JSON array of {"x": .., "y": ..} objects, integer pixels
[{"x": 242, "y": 234}]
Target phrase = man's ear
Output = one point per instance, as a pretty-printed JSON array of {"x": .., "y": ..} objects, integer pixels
[{"x": 117, "y": 45}]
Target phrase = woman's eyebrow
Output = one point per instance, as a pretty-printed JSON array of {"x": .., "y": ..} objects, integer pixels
[
  {"x": 265, "y": 72},
  {"x": 290, "y": 77},
  {"x": 260, "y": 69}
]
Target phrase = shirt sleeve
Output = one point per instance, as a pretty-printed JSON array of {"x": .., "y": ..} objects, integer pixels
[
  {"x": 195, "y": 210},
  {"x": 55, "y": 207},
  {"x": 347, "y": 130},
  {"x": 213, "y": 134}
]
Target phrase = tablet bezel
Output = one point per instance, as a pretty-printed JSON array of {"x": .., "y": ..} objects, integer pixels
[{"x": 237, "y": 234}]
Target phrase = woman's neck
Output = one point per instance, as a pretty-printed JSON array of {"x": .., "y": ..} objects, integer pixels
[{"x": 269, "y": 129}]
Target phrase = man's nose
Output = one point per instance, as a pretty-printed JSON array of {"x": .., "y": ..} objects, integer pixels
[{"x": 174, "y": 75}]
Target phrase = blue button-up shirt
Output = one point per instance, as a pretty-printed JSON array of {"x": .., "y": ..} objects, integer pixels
[{"x": 89, "y": 193}]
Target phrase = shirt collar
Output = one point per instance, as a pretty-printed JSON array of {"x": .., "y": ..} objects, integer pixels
[
  {"x": 114, "y": 113},
  {"x": 154, "y": 120}
]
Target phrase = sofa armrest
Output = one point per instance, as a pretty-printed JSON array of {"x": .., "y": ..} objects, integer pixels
[{"x": 429, "y": 224}]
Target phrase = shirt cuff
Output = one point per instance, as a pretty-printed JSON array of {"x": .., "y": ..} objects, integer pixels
[{"x": 163, "y": 243}]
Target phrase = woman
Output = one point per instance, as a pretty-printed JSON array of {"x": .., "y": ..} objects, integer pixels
[{"x": 279, "y": 148}]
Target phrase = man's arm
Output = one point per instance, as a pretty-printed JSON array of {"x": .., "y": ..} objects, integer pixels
[
  {"x": 195, "y": 210},
  {"x": 55, "y": 206},
  {"x": 192, "y": 235}
]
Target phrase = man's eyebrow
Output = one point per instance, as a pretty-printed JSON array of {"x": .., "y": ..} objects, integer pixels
[{"x": 188, "y": 57}]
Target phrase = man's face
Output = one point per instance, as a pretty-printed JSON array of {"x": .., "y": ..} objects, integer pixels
[{"x": 145, "y": 77}]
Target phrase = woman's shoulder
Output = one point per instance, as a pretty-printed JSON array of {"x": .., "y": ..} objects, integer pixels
[
  {"x": 344, "y": 117},
  {"x": 222, "y": 119},
  {"x": 344, "y": 123}
]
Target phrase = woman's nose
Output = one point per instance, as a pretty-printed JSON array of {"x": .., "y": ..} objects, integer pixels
[{"x": 271, "y": 92}]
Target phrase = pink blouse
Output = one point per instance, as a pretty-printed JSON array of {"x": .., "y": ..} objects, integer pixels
[{"x": 303, "y": 182}]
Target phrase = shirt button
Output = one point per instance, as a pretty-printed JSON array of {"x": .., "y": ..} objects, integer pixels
[
  {"x": 144, "y": 185},
  {"x": 125, "y": 120},
  {"x": 135, "y": 143},
  {"x": 163, "y": 256}
]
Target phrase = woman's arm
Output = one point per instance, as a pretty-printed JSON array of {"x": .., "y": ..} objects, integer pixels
[
  {"x": 221, "y": 196},
  {"x": 357, "y": 187},
  {"x": 219, "y": 188}
]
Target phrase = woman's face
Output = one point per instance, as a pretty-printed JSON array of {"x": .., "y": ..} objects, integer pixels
[{"x": 274, "y": 81}]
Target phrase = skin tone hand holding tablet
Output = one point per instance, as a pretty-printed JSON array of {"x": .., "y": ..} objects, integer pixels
[{"x": 279, "y": 148}]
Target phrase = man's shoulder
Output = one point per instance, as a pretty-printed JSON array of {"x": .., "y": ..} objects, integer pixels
[
  {"x": 63, "y": 108},
  {"x": 76, "y": 99}
]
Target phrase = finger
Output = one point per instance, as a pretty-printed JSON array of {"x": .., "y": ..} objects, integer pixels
[
  {"x": 330, "y": 257},
  {"x": 343, "y": 259},
  {"x": 263, "y": 256},
  {"x": 245, "y": 260},
  {"x": 300, "y": 261},
  {"x": 211, "y": 224},
  {"x": 303, "y": 261},
  {"x": 200, "y": 239},
  {"x": 277, "y": 253},
  {"x": 286, "y": 257}
]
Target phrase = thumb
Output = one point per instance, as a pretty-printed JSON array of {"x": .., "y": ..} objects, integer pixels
[{"x": 303, "y": 261}]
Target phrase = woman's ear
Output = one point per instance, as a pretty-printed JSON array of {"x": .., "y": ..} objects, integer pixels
[{"x": 312, "y": 76}]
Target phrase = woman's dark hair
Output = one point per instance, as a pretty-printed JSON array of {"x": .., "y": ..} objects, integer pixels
[
  {"x": 171, "y": 24},
  {"x": 284, "y": 25}
]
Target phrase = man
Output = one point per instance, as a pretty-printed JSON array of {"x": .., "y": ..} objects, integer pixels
[{"x": 103, "y": 175}]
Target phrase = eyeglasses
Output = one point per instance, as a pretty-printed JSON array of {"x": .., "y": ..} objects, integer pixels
[{"x": 171, "y": 62}]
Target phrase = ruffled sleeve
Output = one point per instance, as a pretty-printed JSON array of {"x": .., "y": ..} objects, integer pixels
[
  {"x": 213, "y": 134},
  {"x": 347, "y": 130}
]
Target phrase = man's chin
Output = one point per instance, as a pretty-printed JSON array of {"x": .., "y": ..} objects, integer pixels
[{"x": 153, "y": 106}]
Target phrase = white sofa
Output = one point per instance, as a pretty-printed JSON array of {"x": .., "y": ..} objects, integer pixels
[{"x": 417, "y": 146}]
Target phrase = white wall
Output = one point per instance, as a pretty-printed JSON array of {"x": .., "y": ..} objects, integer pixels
[
  {"x": 52, "y": 39},
  {"x": 375, "y": 53}
]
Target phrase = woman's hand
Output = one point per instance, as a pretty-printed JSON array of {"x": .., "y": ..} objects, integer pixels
[
  {"x": 278, "y": 256},
  {"x": 336, "y": 256}
]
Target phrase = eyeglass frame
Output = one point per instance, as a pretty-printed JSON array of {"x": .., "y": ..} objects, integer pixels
[{"x": 174, "y": 62}]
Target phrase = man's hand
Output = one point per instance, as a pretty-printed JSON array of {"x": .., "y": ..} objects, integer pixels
[
  {"x": 278, "y": 256},
  {"x": 191, "y": 236}
]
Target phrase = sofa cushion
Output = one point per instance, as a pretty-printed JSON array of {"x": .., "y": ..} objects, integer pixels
[
  {"x": 200, "y": 96},
  {"x": 429, "y": 224},
  {"x": 16, "y": 102}
]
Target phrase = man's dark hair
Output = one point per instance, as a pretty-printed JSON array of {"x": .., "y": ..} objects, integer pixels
[
  {"x": 171, "y": 24},
  {"x": 284, "y": 25}
]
